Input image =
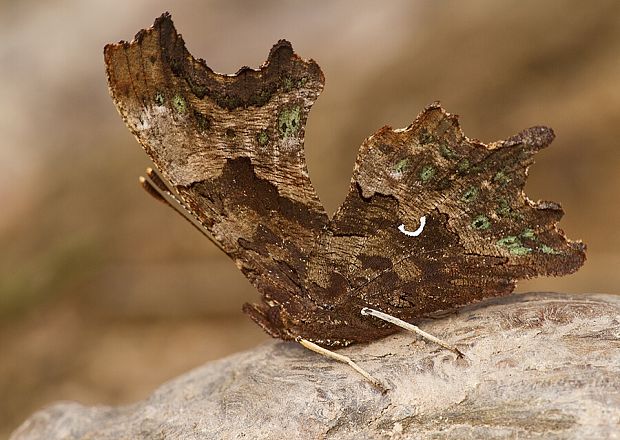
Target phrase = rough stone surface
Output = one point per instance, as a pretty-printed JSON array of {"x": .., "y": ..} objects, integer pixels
[{"x": 537, "y": 366}]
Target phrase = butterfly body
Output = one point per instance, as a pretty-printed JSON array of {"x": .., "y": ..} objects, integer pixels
[{"x": 432, "y": 221}]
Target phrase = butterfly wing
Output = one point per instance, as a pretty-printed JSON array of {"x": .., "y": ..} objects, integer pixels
[
  {"x": 434, "y": 220},
  {"x": 232, "y": 147}
]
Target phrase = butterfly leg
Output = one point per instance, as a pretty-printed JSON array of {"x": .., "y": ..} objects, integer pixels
[
  {"x": 407, "y": 326},
  {"x": 156, "y": 186},
  {"x": 341, "y": 358}
]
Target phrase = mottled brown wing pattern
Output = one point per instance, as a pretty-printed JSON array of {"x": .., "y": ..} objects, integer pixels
[
  {"x": 433, "y": 220},
  {"x": 468, "y": 230},
  {"x": 230, "y": 145}
]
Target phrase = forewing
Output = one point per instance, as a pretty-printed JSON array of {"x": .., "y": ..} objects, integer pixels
[{"x": 230, "y": 145}]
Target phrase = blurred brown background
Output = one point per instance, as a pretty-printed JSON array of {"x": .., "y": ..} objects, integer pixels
[{"x": 104, "y": 293}]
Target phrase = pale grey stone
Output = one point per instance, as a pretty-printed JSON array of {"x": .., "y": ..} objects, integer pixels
[{"x": 537, "y": 366}]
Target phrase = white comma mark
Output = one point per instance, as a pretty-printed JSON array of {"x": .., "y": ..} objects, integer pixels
[{"x": 415, "y": 233}]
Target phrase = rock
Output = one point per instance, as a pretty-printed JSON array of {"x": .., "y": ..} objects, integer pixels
[{"x": 537, "y": 366}]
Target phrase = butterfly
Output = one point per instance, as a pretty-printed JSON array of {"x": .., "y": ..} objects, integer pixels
[{"x": 432, "y": 221}]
